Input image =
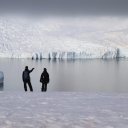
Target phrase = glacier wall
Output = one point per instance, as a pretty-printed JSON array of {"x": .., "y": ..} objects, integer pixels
[
  {"x": 104, "y": 54},
  {"x": 63, "y": 37}
]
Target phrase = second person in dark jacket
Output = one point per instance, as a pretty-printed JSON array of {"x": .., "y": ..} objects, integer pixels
[{"x": 44, "y": 79}]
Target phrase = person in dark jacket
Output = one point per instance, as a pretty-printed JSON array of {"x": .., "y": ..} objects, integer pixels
[
  {"x": 44, "y": 79},
  {"x": 26, "y": 78}
]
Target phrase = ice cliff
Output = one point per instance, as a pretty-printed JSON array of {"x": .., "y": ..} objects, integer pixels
[{"x": 63, "y": 37}]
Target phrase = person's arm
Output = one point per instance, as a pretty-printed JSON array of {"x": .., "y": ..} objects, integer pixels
[
  {"x": 31, "y": 70},
  {"x": 23, "y": 76},
  {"x": 41, "y": 78},
  {"x": 48, "y": 78}
]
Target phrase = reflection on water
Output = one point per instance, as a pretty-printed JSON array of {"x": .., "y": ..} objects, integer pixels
[{"x": 69, "y": 75}]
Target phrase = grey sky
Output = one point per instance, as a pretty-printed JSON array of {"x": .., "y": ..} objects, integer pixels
[{"x": 67, "y": 7}]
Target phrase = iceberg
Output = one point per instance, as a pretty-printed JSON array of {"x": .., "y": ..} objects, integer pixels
[{"x": 1, "y": 77}]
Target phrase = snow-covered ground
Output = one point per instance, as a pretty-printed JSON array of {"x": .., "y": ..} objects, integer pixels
[
  {"x": 63, "y": 110},
  {"x": 63, "y": 37}
]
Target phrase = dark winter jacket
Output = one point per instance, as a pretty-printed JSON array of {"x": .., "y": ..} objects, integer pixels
[
  {"x": 26, "y": 76},
  {"x": 44, "y": 77}
]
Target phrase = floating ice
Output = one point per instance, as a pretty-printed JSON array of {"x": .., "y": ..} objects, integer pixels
[{"x": 1, "y": 77}]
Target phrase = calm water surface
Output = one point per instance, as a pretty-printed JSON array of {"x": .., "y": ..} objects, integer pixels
[{"x": 74, "y": 75}]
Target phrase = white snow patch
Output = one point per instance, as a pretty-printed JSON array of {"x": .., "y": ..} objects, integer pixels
[{"x": 62, "y": 109}]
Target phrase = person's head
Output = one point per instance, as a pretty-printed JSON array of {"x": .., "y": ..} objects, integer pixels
[
  {"x": 45, "y": 69},
  {"x": 26, "y": 67}
]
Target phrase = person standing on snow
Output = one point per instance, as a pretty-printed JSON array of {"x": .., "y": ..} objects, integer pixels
[
  {"x": 44, "y": 79},
  {"x": 26, "y": 78}
]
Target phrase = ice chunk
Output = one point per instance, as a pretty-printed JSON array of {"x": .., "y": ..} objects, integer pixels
[{"x": 1, "y": 77}]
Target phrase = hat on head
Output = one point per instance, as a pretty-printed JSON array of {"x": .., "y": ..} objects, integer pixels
[
  {"x": 26, "y": 67},
  {"x": 45, "y": 69}
]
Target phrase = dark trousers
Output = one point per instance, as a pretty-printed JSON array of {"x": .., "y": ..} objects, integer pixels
[
  {"x": 44, "y": 87},
  {"x": 29, "y": 84}
]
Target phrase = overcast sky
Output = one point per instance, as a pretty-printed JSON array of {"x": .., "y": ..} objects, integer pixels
[{"x": 65, "y": 7}]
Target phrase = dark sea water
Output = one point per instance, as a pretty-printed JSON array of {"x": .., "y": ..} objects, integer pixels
[{"x": 74, "y": 75}]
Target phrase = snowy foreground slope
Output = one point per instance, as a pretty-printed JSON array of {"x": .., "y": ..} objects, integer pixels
[
  {"x": 63, "y": 110},
  {"x": 63, "y": 37}
]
